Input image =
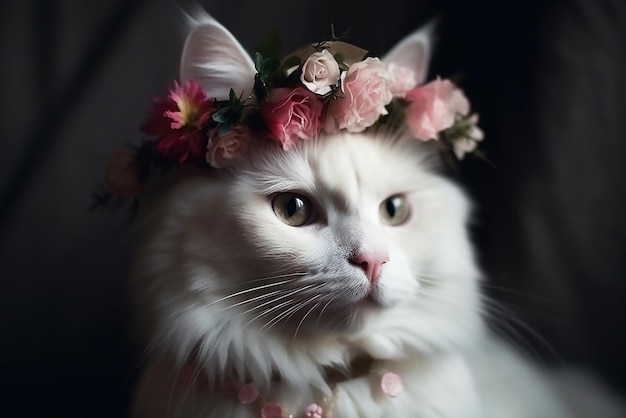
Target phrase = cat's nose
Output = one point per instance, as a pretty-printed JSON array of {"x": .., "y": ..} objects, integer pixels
[{"x": 371, "y": 262}]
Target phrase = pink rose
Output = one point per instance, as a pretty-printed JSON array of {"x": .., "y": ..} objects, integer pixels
[
  {"x": 292, "y": 114},
  {"x": 121, "y": 177},
  {"x": 320, "y": 72},
  {"x": 391, "y": 384},
  {"x": 433, "y": 108},
  {"x": 402, "y": 80},
  {"x": 367, "y": 90},
  {"x": 222, "y": 149}
]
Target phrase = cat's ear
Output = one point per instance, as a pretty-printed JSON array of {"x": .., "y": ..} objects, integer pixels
[
  {"x": 215, "y": 59},
  {"x": 414, "y": 51}
]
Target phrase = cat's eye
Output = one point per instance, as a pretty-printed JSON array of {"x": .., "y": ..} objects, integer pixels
[
  {"x": 293, "y": 209},
  {"x": 394, "y": 210}
]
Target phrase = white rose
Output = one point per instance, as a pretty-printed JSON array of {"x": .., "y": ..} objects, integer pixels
[{"x": 320, "y": 72}]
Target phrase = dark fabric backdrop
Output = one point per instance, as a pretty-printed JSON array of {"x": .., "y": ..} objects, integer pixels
[{"x": 77, "y": 78}]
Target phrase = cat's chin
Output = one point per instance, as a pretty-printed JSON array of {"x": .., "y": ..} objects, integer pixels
[
  {"x": 353, "y": 316},
  {"x": 361, "y": 311}
]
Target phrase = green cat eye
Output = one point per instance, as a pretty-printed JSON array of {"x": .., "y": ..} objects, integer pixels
[
  {"x": 394, "y": 210},
  {"x": 293, "y": 209}
]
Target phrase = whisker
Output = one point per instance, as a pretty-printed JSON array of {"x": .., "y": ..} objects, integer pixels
[
  {"x": 517, "y": 310},
  {"x": 507, "y": 317},
  {"x": 254, "y": 299},
  {"x": 279, "y": 276},
  {"x": 265, "y": 312},
  {"x": 267, "y": 278},
  {"x": 506, "y": 322},
  {"x": 282, "y": 315},
  {"x": 487, "y": 285},
  {"x": 243, "y": 292},
  {"x": 292, "y": 313},
  {"x": 278, "y": 298},
  {"x": 288, "y": 313},
  {"x": 295, "y": 334},
  {"x": 322, "y": 311}
]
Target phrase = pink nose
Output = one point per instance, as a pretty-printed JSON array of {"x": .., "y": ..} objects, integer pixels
[{"x": 371, "y": 263}]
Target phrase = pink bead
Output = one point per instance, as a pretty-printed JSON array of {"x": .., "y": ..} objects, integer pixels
[
  {"x": 391, "y": 384},
  {"x": 313, "y": 411},
  {"x": 272, "y": 410},
  {"x": 248, "y": 393}
]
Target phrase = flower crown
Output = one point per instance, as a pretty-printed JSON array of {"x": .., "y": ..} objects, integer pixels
[{"x": 325, "y": 87}]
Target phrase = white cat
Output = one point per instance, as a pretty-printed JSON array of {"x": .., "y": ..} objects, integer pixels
[{"x": 347, "y": 252}]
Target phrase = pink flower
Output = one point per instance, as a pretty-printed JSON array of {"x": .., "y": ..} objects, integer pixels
[
  {"x": 292, "y": 114},
  {"x": 391, "y": 384},
  {"x": 367, "y": 90},
  {"x": 272, "y": 410},
  {"x": 222, "y": 149},
  {"x": 178, "y": 121},
  {"x": 121, "y": 177},
  {"x": 320, "y": 72},
  {"x": 402, "y": 80},
  {"x": 433, "y": 108},
  {"x": 313, "y": 411},
  {"x": 248, "y": 393}
]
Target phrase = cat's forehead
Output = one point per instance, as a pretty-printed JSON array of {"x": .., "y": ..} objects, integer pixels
[{"x": 346, "y": 165}]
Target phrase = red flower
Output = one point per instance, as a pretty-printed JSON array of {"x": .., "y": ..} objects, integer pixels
[{"x": 178, "y": 122}]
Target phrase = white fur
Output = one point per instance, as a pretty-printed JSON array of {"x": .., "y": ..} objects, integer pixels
[{"x": 220, "y": 278}]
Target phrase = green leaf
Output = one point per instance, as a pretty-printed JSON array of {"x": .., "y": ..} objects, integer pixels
[
  {"x": 270, "y": 45},
  {"x": 232, "y": 97},
  {"x": 228, "y": 114},
  {"x": 260, "y": 88},
  {"x": 258, "y": 61},
  {"x": 270, "y": 66},
  {"x": 221, "y": 115}
]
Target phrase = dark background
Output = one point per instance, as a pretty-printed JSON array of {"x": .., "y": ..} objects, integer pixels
[{"x": 77, "y": 78}]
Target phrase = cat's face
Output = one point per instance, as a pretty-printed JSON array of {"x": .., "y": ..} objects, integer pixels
[{"x": 323, "y": 237}]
